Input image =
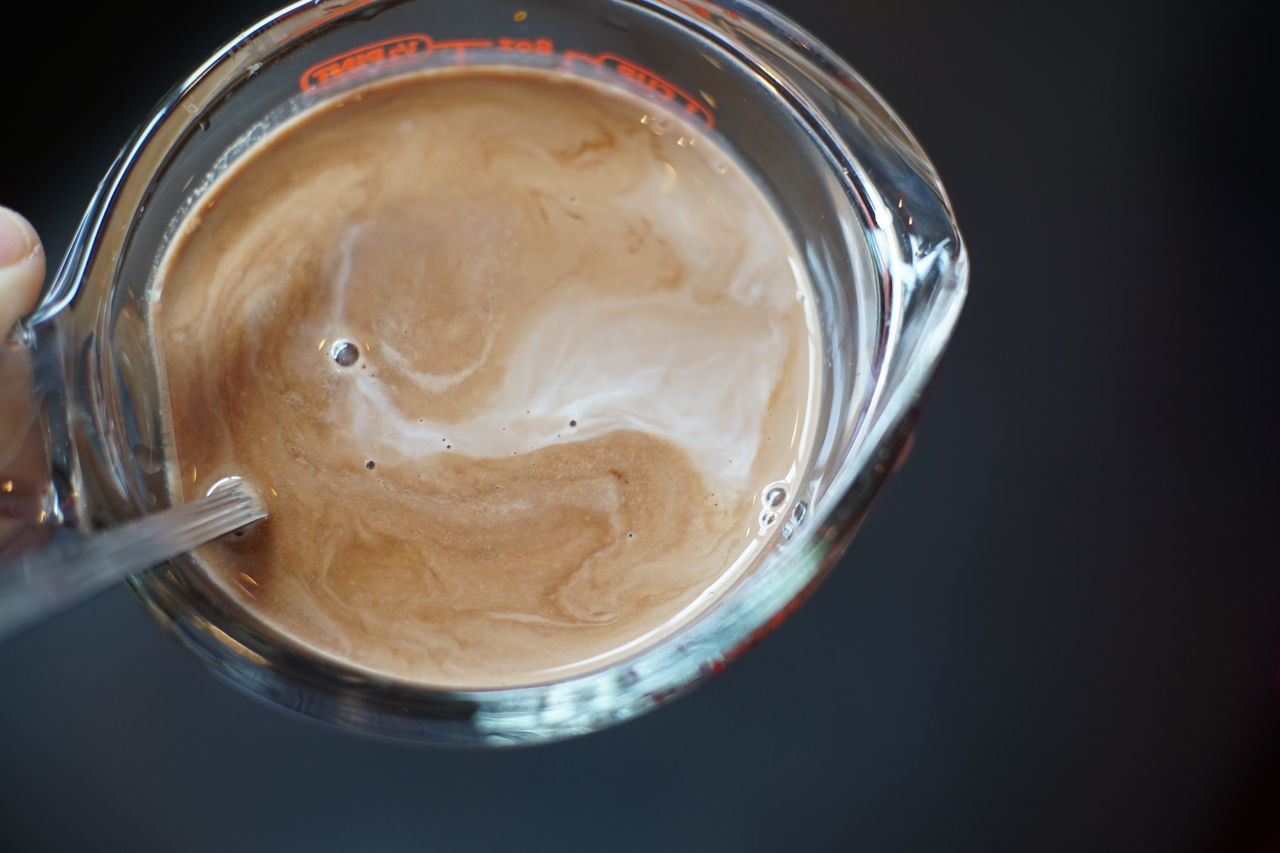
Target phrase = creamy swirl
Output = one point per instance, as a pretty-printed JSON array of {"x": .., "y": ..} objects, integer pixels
[{"x": 575, "y": 350}]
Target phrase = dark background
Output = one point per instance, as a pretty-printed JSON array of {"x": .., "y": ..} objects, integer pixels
[{"x": 1058, "y": 629}]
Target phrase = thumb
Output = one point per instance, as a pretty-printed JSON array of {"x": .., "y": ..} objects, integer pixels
[{"x": 21, "y": 269}]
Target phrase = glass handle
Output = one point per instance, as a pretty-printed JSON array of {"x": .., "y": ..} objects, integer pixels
[
  {"x": 65, "y": 282},
  {"x": 25, "y": 494},
  {"x": 33, "y": 440}
]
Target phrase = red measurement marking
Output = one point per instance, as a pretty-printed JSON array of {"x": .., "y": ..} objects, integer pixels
[
  {"x": 460, "y": 45},
  {"x": 417, "y": 43},
  {"x": 422, "y": 45},
  {"x": 369, "y": 54},
  {"x": 655, "y": 83},
  {"x": 527, "y": 45}
]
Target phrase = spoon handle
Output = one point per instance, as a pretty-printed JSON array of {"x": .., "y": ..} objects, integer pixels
[{"x": 37, "y": 586}]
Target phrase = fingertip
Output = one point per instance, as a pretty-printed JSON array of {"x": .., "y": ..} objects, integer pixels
[
  {"x": 18, "y": 239},
  {"x": 22, "y": 268}
]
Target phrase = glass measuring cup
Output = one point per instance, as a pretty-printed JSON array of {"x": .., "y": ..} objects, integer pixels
[{"x": 858, "y": 195}]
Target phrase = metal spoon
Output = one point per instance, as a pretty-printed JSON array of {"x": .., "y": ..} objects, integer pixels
[{"x": 37, "y": 586}]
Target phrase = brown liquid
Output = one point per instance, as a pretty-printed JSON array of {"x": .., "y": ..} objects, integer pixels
[{"x": 511, "y": 356}]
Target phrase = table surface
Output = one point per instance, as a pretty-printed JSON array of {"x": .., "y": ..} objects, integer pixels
[{"x": 1056, "y": 631}]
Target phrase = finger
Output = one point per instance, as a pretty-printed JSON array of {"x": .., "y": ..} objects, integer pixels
[{"x": 21, "y": 269}]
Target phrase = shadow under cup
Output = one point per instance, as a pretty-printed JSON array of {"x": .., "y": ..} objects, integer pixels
[{"x": 861, "y": 201}]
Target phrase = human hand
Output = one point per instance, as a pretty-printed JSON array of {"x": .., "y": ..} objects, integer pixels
[
  {"x": 23, "y": 462},
  {"x": 21, "y": 269}
]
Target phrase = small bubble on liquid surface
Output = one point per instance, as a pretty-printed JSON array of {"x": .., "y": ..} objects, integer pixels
[
  {"x": 768, "y": 518},
  {"x": 656, "y": 124},
  {"x": 344, "y": 353},
  {"x": 370, "y": 464},
  {"x": 775, "y": 496}
]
